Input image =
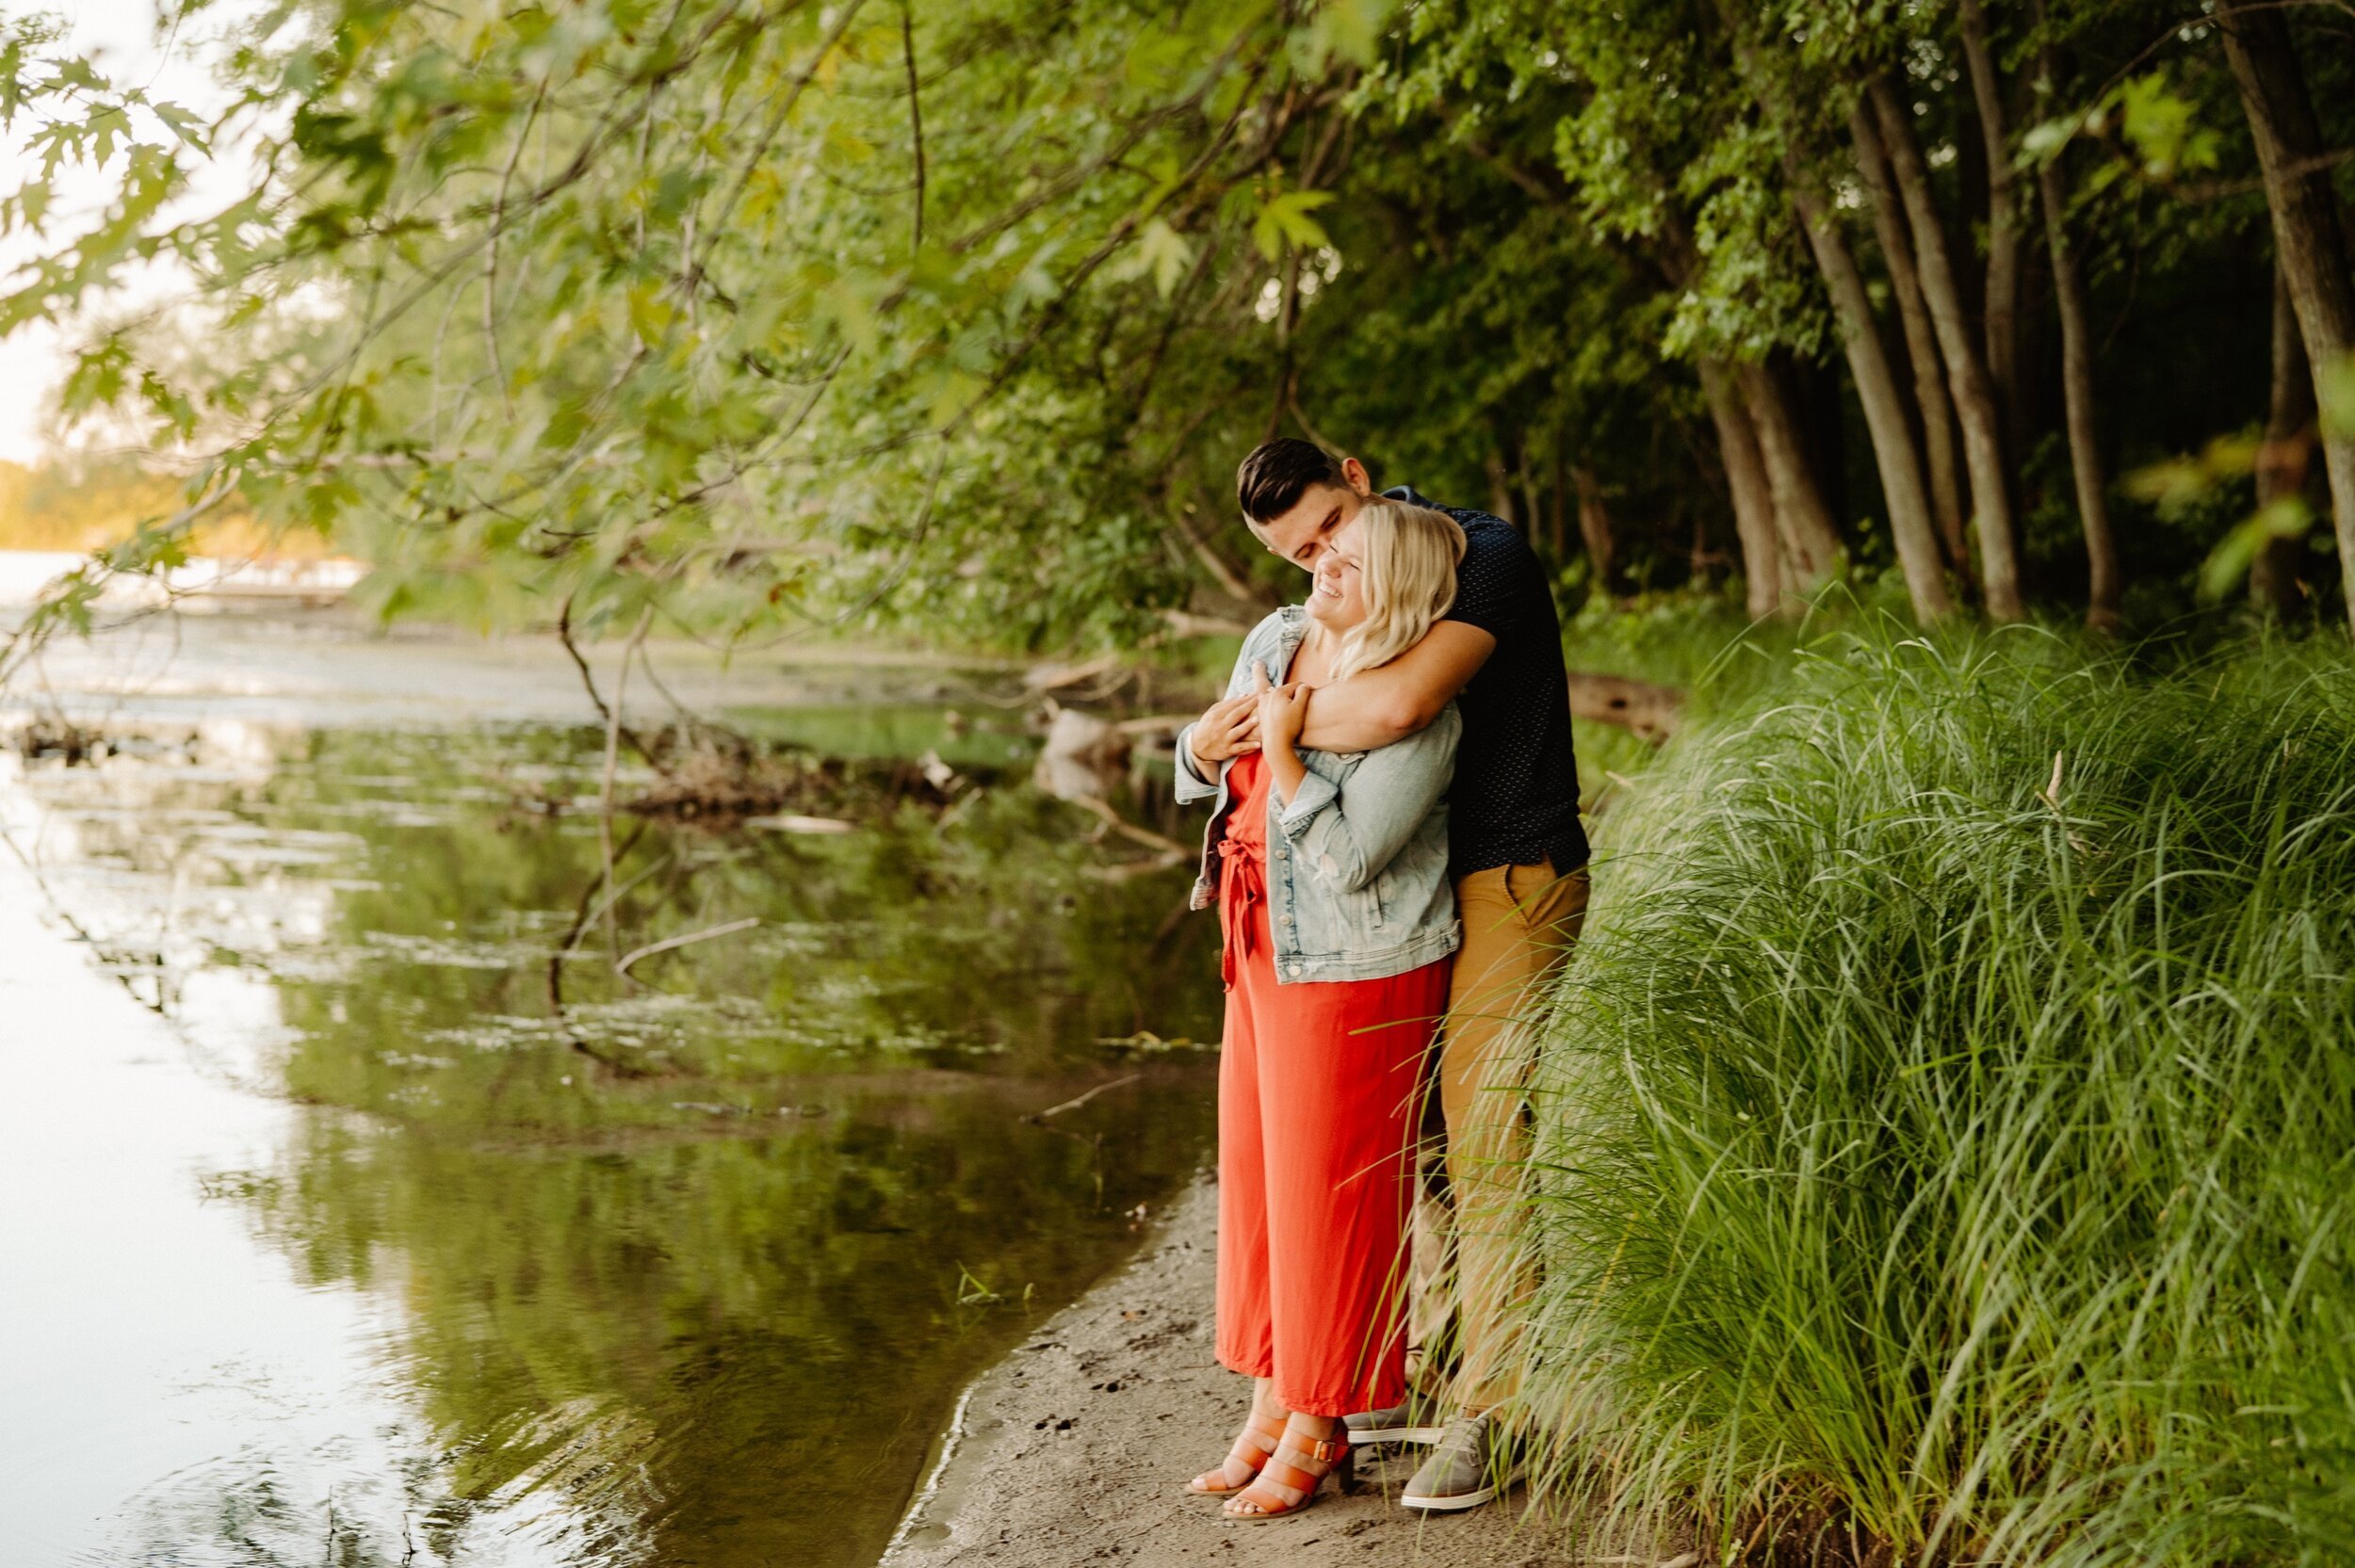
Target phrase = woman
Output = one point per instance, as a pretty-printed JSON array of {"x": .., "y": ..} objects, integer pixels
[{"x": 1330, "y": 876}]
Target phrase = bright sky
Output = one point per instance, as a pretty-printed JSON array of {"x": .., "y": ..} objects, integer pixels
[{"x": 120, "y": 37}]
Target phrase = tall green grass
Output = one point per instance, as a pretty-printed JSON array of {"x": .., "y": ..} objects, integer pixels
[{"x": 1947, "y": 1139}]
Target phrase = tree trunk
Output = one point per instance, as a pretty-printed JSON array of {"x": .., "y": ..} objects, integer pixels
[
  {"x": 1909, "y": 520},
  {"x": 2085, "y": 458},
  {"x": 2306, "y": 233},
  {"x": 1810, "y": 542},
  {"x": 1929, "y": 375},
  {"x": 2273, "y": 584},
  {"x": 1557, "y": 529},
  {"x": 1594, "y": 530},
  {"x": 1753, "y": 495},
  {"x": 2003, "y": 215},
  {"x": 1501, "y": 502},
  {"x": 1532, "y": 507},
  {"x": 1974, "y": 395}
]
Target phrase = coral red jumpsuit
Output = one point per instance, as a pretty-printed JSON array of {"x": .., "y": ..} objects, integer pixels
[{"x": 1316, "y": 1095}]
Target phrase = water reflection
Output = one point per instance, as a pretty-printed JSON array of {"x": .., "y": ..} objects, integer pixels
[{"x": 682, "y": 1267}]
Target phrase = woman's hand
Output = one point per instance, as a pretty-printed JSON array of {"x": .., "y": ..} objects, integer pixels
[{"x": 1283, "y": 709}]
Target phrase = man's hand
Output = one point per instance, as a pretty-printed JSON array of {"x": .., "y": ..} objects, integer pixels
[{"x": 1283, "y": 709}]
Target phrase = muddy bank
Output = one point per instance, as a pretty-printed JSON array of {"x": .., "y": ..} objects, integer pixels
[{"x": 1076, "y": 1449}]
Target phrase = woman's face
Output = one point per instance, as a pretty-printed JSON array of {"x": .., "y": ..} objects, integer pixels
[{"x": 1338, "y": 600}]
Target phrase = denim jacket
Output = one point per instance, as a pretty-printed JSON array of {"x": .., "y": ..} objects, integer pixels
[{"x": 1357, "y": 874}]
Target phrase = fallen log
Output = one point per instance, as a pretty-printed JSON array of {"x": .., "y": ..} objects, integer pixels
[{"x": 1651, "y": 712}]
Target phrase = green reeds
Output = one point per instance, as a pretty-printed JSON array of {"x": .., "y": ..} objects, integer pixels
[{"x": 1946, "y": 1145}]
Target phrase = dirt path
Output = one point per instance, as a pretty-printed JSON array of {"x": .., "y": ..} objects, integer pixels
[{"x": 1074, "y": 1450}]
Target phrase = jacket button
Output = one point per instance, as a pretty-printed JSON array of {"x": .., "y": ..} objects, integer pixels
[{"x": 1292, "y": 969}]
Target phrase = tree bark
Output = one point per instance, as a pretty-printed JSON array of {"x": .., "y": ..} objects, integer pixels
[
  {"x": 1810, "y": 545},
  {"x": 1965, "y": 377},
  {"x": 1557, "y": 528},
  {"x": 2273, "y": 584},
  {"x": 1500, "y": 500},
  {"x": 2002, "y": 214},
  {"x": 1929, "y": 374},
  {"x": 2085, "y": 458},
  {"x": 2306, "y": 232},
  {"x": 1753, "y": 495},
  {"x": 1594, "y": 530},
  {"x": 1532, "y": 506},
  {"x": 1909, "y": 520}
]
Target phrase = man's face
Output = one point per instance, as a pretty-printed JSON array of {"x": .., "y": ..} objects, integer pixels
[{"x": 1303, "y": 534}]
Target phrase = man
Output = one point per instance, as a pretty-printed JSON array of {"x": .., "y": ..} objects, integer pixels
[{"x": 1518, "y": 857}]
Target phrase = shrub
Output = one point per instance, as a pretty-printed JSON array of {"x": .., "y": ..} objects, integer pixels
[{"x": 1947, "y": 1136}]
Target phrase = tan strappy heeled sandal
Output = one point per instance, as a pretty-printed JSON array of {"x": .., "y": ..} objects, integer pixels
[
  {"x": 1286, "y": 1470},
  {"x": 1260, "y": 1438}
]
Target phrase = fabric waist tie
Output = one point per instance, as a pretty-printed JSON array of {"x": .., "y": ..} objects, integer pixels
[{"x": 1243, "y": 889}]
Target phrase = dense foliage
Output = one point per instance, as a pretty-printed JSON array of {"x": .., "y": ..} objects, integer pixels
[
  {"x": 789, "y": 316},
  {"x": 1950, "y": 1120}
]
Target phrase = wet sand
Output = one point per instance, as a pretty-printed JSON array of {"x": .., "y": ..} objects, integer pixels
[{"x": 1077, "y": 1448}]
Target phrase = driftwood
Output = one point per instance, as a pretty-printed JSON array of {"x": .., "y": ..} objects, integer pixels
[
  {"x": 1082, "y": 755},
  {"x": 1078, "y": 1100},
  {"x": 1054, "y": 677},
  {"x": 1186, "y": 624},
  {"x": 1651, "y": 712},
  {"x": 1167, "y": 849},
  {"x": 671, "y": 943}
]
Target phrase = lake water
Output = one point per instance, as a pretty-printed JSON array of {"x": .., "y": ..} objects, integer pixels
[{"x": 358, "y": 1212}]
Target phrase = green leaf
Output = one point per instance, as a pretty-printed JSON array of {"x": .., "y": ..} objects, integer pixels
[
  {"x": 189, "y": 128},
  {"x": 1165, "y": 252},
  {"x": 2286, "y": 518},
  {"x": 1347, "y": 29},
  {"x": 1284, "y": 220},
  {"x": 2043, "y": 140},
  {"x": 2162, "y": 126},
  {"x": 650, "y": 313}
]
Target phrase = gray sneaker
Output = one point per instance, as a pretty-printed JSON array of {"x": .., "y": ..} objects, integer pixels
[
  {"x": 1471, "y": 1466},
  {"x": 1416, "y": 1421}
]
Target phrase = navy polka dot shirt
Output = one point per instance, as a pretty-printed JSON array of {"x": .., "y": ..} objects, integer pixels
[{"x": 1515, "y": 799}]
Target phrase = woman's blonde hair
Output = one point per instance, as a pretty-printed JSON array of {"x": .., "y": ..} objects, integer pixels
[{"x": 1408, "y": 557}]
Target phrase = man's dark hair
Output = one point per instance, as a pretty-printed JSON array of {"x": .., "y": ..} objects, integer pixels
[{"x": 1272, "y": 479}]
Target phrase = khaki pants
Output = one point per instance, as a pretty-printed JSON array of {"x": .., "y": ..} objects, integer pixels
[{"x": 1519, "y": 922}]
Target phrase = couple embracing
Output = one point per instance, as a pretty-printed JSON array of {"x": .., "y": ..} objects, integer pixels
[{"x": 1396, "y": 857}]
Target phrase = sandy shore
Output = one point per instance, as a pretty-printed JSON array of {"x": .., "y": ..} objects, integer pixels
[{"x": 1076, "y": 1449}]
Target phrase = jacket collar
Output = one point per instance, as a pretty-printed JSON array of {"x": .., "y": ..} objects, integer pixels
[{"x": 1291, "y": 631}]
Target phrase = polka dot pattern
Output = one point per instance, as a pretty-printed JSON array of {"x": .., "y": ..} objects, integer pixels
[{"x": 1515, "y": 799}]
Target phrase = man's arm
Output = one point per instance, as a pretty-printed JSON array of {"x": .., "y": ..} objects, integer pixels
[{"x": 1401, "y": 698}]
